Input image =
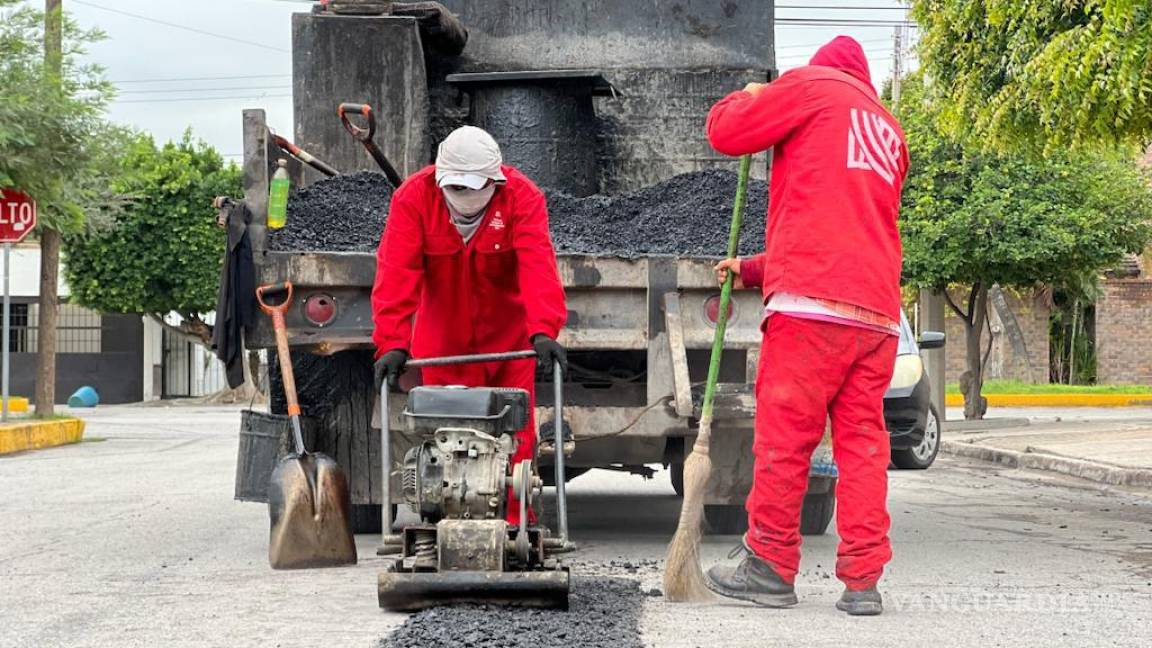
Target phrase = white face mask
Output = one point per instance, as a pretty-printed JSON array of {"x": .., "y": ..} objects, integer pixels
[{"x": 469, "y": 202}]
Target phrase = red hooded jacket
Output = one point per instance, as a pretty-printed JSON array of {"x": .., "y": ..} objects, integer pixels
[
  {"x": 838, "y": 165},
  {"x": 488, "y": 295}
]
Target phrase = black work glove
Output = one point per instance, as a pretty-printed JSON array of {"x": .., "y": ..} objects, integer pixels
[
  {"x": 549, "y": 351},
  {"x": 389, "y": 366}
]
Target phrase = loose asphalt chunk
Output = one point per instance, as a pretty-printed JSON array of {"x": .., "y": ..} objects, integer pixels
[
  {"x": 603, "y": 613},
  {"x": 687, "y": 215}
]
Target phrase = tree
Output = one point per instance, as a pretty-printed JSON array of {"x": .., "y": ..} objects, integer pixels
[
  {"x": 50, "y": 108},
  {"x": 1012, "y": 73},
  {"x": 973, "y": 219},
  {"x": 162, "y": 252}
]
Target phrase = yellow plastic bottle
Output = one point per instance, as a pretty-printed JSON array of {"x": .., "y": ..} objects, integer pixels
[{"x": 278, "y": 197}]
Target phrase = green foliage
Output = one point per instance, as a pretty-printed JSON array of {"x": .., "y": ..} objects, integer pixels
[
  {"x": 1017, "y": 387},
  {"x": 973, "y": 218},
  {"x": 162, "y": 251},
  {"x": 49, "y": 122},
  {"x": 1046, "y": 73}
]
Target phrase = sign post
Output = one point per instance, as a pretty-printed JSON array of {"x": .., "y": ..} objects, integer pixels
[{"x": 17, "y": 220}]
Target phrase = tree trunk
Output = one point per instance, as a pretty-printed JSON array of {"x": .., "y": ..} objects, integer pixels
[
  {"x": 46, "y": 332},
  {"x": 975, "y": 405},
  {"x": 49, "y": 244},
  {"x": 1071, "y": 344}
]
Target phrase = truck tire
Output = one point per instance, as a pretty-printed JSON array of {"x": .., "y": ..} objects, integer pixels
[
  {"x": 923, "y": 455},
  {"x": 817, "y": 512},
  {"x": 726, "y": 519},
  {"x": 676, "y": 472}
]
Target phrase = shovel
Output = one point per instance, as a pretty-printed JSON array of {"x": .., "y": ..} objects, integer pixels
[
  {"x": 308, "y": 501},
  {"x": 366, "y": 137}
]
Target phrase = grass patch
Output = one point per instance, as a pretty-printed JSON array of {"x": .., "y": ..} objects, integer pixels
[{"x": 1017, "y": 387}]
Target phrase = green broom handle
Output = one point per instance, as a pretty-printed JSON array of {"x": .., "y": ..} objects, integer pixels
[{"x": 726, "y": 290}]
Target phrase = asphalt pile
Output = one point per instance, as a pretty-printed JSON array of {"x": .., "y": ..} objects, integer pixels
[
  {"x": 603, "y": 613},
  {"x": 343, "y": 213},
  {"x": 687, "y": 215}
]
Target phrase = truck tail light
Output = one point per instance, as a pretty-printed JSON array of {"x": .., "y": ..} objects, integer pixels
[
  {"x": 712, "y": 309},
  {"x": 320, "y": 309}
]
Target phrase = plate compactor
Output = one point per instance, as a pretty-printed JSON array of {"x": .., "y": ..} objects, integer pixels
[{"x": 458, "y": 478}]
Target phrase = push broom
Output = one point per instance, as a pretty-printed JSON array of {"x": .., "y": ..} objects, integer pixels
[{"x": 683, "y": 577}]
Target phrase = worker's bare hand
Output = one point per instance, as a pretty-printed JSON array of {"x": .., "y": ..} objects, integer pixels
[
  {"x": 724, "y": 267},
  {"x": 755, "y": 88}
]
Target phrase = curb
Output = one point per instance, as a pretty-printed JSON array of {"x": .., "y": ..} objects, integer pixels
[
  {"x": 1057, "y": 400},
  {"x": 1089, "y": 470},
  {"x": 34, "y": 435}
]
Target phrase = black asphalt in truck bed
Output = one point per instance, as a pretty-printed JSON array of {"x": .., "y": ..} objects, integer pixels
[
  {"x": 603, "y": 613},
  {"x": 687, "y": 215}
]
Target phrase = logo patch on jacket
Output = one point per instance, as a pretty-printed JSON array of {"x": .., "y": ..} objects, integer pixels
[
  {"x": 497, "y": 222},
  {"x": 873, "y": 145}
]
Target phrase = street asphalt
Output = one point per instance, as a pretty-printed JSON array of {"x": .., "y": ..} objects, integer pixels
[{"x": 132, "y": 539}]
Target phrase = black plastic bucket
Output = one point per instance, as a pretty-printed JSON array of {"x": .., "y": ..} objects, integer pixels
[{"x": 263, "y": 440}]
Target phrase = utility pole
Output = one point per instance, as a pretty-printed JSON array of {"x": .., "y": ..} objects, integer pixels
[
  {"x": 49, "y": 237},
  {"x": 897, "y": 65}
]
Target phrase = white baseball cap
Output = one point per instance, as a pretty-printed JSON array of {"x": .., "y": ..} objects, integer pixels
[{"x": 469, "y": 157}]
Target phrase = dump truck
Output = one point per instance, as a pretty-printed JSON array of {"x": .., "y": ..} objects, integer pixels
[{"x": 586, "y": 98}]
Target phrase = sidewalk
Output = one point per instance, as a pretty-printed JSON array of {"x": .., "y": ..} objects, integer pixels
[{"x": 1105, "y": 449}]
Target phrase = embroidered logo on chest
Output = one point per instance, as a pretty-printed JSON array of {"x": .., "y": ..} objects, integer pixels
[
  {"x": 497, "y": 222},
  {"x": 873, "y": 145}
]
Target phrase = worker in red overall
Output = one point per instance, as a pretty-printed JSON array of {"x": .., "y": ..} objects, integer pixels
[
  {"x": 830, "y": 276},
  {"x": 466, "y": 266}
]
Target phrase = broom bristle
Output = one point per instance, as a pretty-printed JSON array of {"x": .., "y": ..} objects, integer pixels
[{"x": 683, "y": 577}]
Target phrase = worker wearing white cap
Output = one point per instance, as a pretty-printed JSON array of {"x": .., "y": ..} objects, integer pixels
[{"x": 466, "y": 266}]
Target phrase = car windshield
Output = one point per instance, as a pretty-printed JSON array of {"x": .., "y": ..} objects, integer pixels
[{"x": 907, "y": 338}]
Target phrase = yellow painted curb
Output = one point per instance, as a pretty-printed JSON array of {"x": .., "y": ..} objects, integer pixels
[
  {"x": 17, "y": 404},
  {"x": 33, "y": 435},
  {"x": 1058, "y": 400}
]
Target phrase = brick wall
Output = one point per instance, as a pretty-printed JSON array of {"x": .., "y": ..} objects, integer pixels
[
  {"x": 1123, "y": 328},
  {"x": 1004, "y": 362}
]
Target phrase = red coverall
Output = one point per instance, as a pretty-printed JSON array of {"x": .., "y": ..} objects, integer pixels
[
  {"x": 839, "y": 160},
  {"x": 438, "y": 296}
]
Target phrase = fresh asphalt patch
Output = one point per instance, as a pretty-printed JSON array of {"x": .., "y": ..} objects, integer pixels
[{"x": 603, "y": 612}]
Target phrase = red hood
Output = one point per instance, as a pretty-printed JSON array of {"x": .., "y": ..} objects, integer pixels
[{"x": 846, "y": 55}]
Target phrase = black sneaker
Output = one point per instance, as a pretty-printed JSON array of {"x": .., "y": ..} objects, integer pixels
[
  {"x": 752, "y": 580},
  {"x": 861, "y": 602}
]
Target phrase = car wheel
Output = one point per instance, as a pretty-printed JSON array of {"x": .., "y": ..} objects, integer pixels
[
  {"x": 676, "y": 472},
  {"x": 726, "y": 519},
  {"x": 817, "y": 513},
  {"x": 924, "y": 454}
]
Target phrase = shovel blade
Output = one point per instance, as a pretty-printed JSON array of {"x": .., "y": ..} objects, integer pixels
[{"x": 309, "y": 510}]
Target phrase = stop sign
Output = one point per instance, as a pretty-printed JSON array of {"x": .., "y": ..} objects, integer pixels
[{"x": 17, "y": 215}]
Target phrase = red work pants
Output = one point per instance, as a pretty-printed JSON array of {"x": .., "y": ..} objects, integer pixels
[
  {"x": 520, "y": 374},
  {"x": 810, "y": 370}
]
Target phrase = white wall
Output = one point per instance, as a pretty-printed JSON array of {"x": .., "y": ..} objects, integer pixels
[{"x": 24, "y": 266}]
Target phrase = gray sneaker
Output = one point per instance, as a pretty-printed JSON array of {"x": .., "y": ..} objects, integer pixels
[
  {"x": 861, "y": 602},
  {"x": 752, "y": 579}
]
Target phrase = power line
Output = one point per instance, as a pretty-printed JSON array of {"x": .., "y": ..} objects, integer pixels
[
  {"x": 187, "y": 99},
  {"x": 172, "y": 90},
  {"x": 841, "y": 22},
  {"x": 183, "y": 27},
  {"x": 842, "y": 7},
  {"x": 211, "y": 78},
  {"x": 812, "y": 46}
]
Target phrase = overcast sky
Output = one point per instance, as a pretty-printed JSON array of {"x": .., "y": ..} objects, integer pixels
[{"x": 174, "y": 76}]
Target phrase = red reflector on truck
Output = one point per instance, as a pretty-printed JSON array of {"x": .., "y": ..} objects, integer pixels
[
  {"x": 320, "y": 309},
  {"x": 712, "y": 309}
]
